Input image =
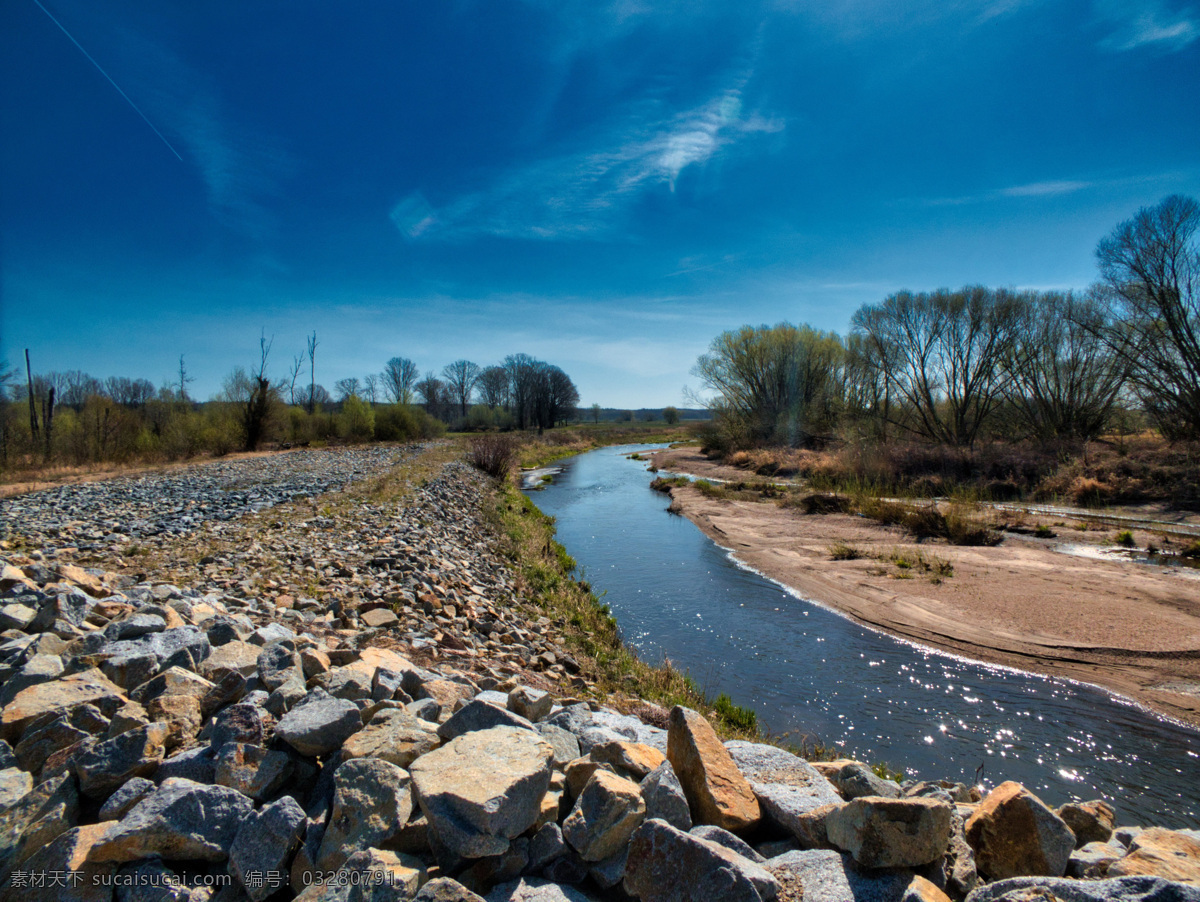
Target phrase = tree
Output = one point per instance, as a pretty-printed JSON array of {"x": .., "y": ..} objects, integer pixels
[
  {"x": 493, "y": 386},
  {"x": 944, "y": 354},
  {"x": 460, "y": 378},
  {"x": 399, "y": 377},
  {"x": 371, "y": 387},
  {"x": 595, "y": 408},
  {"x": 555, "y": 396},
  {"x": 184, "y": 379},
  {"x": 1065, "y": 378},
  {"x": 777, "y": 384},
  {"x": 293, "y": 375},
  {"x": 346, "y": 388},
  {"x": 254, "y": 397},
  {"x": 522, "y": 373},
  {"x": 1151, "y": 270},
  {"x": 432, "y": 392},
  {"x": 671, "y": 415},
  {"x": 312, "y": 369}
]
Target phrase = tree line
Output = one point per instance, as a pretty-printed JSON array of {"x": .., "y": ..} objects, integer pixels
[
  {"x": 76, "y": 418},
  {"x": 953, "y": 366}
]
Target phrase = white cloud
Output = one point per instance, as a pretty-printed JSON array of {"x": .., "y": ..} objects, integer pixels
[
  {"x": 1044, "y": 189},
  {"x": 582, "y": 193},
  {"x": 1133, "y": 25}
]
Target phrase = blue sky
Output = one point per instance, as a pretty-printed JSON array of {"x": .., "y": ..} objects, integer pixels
[{"x": 605, "y": 186}]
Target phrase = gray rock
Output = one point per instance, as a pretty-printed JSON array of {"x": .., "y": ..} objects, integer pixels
[
  {"x": 855, "y": 780},
  {"x": 1092, "y": 861},
  {"x": 479, "y": 715},
  {"x": 371, "y": 802},
  {"x": 198, "y": 765},
  {"x": 319, "y": 724},
  {"x": 251, "y": 769},
  {"x": 181, "y": 820},
  {"x": 349, "y": 683},
  {"x": 8, "y": 758},
  {"x": 47, "y": 811},
  {"x": 1120, "y": 889},
  {"x": 831, "y": 877},
  {"x": 610, "y": 871},
  {"x": 263, "y": 845},
  {"x": 386, "y": 876},
  {"x": 151, "y": 881},
  {"x": 286, "y": 697},
  {"x": 393, "y": 735},
  {"x": 136, "y": 624},
  {"x": 443, "y": 889},
  {"x": 605, "y": 815},
  {"x": 483, "y": 788},
  {"x": 38, "y": 669},
  {"x": 665, "y": 799},
  {"x": 786, "y": 786},
  {"x": 668, "y": 865},
  {"x": 545, "y": 846},
  {"x": 388, "y": 685},
  {"x": 130, "y": 662},
  {"x": 564, "y": 742},
  {"x": 277, "y": 663},
  {"x": 424, "y": 708},
  {"x": 728, "y": 840},
  {"x": 530, "y": 889},
  {"x": 124, "y": 798},
  {"x": 106, "y": 765},
  {"x": 237, "y": 723},
  {"x": 14, "y": 784},
  {"x": 272, "y": 632}
]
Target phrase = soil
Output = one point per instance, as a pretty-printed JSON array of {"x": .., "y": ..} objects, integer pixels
[{"x": 1132, "y": 628}]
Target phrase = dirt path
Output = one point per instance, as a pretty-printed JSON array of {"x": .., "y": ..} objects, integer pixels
[{"x": 1131, "y": 628}]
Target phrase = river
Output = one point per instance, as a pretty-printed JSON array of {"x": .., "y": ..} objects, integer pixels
[{"x": 813, "y": 675}]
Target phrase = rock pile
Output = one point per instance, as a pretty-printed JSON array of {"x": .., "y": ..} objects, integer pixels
[{"x": 240, "y": 740}]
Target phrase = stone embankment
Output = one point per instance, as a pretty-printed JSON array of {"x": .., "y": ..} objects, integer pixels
[{"x": 348, "y": 699}]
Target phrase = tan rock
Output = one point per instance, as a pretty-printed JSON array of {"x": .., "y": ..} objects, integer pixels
[
  {"x": 85, "y": 881},
  {"x": 607, "y": 812},
  {"x": 128, "y": 717},
  {"x": 716, "y": 791},
  {"x": 447, "y": 693},
  {"x": 921, "y": 890},
  {"x": 891, "y": 833},
  {"x": 393, "y": 735},
  {"x": 239, "y": 657},
  {"x": 1161, "y": 853},
  {"x": 315, "y": 662},
  {"x": 77, "y": 576},
  {"x": 371, "y": 659},
  {"x": 578, "y": 772},
  {"x": 1014, "y": 834},
  {"x": 12, "y": 576},
  {"x": 172, "y": 681},
  {"x": 181, "y": 714},
  {"x": 60, "y": 696},
  {"x": 1089, "y": 821},
  {"x": 632, "y": 757}
]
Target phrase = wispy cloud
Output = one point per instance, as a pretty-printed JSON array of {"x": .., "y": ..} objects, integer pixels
[
  {"x": 1049, "y": 188},
  {"x": 583, "y": 193},
  {"x": 1150, "y": 23}
]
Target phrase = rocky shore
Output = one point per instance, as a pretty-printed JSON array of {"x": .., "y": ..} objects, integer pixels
[{"x": 315, "y": 675}]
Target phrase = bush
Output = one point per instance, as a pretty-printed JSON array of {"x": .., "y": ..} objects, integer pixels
[
  {"x": 494, "y": 454},
  {"x": 356, "y": 423},
  {"x": 405, "y": 423},
  {"x": 825, "y": 503}
]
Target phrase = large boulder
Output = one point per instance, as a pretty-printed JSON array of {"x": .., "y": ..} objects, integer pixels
[
  {"x": 41, "y": 815},
  {"x": 605, "y": 815},
  {"x": 484, "y": 788},
  {"x": 107, "y": 765},
  {"x": 64, "y": 873},
  {"x": 827, "y": 876},
  {"x": 372, "y": 800},
  {"x": 319, "y": 724},
  {"x": 1122, "y": 889},
  {"x": 393, "y": 735},
  {"x": 787, "y": 786},
  {"x": 183, "y": 820},
  {"x": 716, "y": 790},
  {"x": 668, "y": 865},
  {"x": 665, "y": 798},
  {"x": 1089, "y": 821},
  {"x": 60, "y": 696},
  {"x": 1014, "y": 834},
  {"x": 891, "y": 833},
  {"x": 1156, "y": 852},
  {"x": 263, "y": 844}
]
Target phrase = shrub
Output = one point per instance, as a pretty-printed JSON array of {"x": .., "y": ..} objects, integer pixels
[
  {"x": 825, "y": 503},
  {"x": 494, "y": 454},
  {"x": 356, "y": 423},
  {"x": 1124, "y": 538},
  {"x": 405, "y": 423},
  {"x": 843, "y": 552},
  {"x": 1044, "y": 532},
  {"x": 735, "y": 716}
]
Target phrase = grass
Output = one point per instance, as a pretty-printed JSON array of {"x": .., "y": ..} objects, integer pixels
[
  {"x": 611, "y": 669},
  {"x": 1124, "y": 538},
  {"x": 1044, "y": 532},
  {"x": 1192, "y": 551},
  {"x": 840, "y": 551},
  {"x": 910, "y": 563}
]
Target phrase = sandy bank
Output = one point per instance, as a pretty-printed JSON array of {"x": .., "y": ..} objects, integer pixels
[{"x": 1131, "y": 628}]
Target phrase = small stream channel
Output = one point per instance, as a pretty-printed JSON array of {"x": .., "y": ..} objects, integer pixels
[{"x": 814, "y": 675}]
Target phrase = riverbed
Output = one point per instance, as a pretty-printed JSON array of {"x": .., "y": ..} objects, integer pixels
[{"x": 816, "y": 677}]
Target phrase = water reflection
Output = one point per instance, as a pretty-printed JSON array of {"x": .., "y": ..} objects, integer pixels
[{"x": 815, "y": 676}]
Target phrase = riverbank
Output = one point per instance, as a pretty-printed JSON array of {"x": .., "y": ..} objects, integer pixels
[{"x": 1130, "y": 628}]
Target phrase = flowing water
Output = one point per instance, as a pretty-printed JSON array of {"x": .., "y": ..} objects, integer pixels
[{"x": 813, "y": 675}]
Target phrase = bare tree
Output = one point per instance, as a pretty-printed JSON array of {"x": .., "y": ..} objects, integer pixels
[
  {"x": 945, "y": 352},
  {"x": 312, "y": 369},
  {"x": 493, "y": 386},
  {"x": 461, "y": 377},
  {"x": 1151, "y": 269},
  {"x": 1065, "y": 379},
  {"x": 522, "y": 385},
  {"x": 399, "y": 377},
  {"x": 184, "y": 379},
  {"x": 432, "y": 392},
  {"x": 346, "y": 388},
  {"x": 293, "y": 375},
  {"x": 33, "y": 420},
  {"x": 258, "y": 407},
  {"x": 371, "y": 387},
  {"x": 75, "y": 387}
]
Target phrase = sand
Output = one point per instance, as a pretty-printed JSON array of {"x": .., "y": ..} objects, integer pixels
[{"x": 1128, "y": 627}]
